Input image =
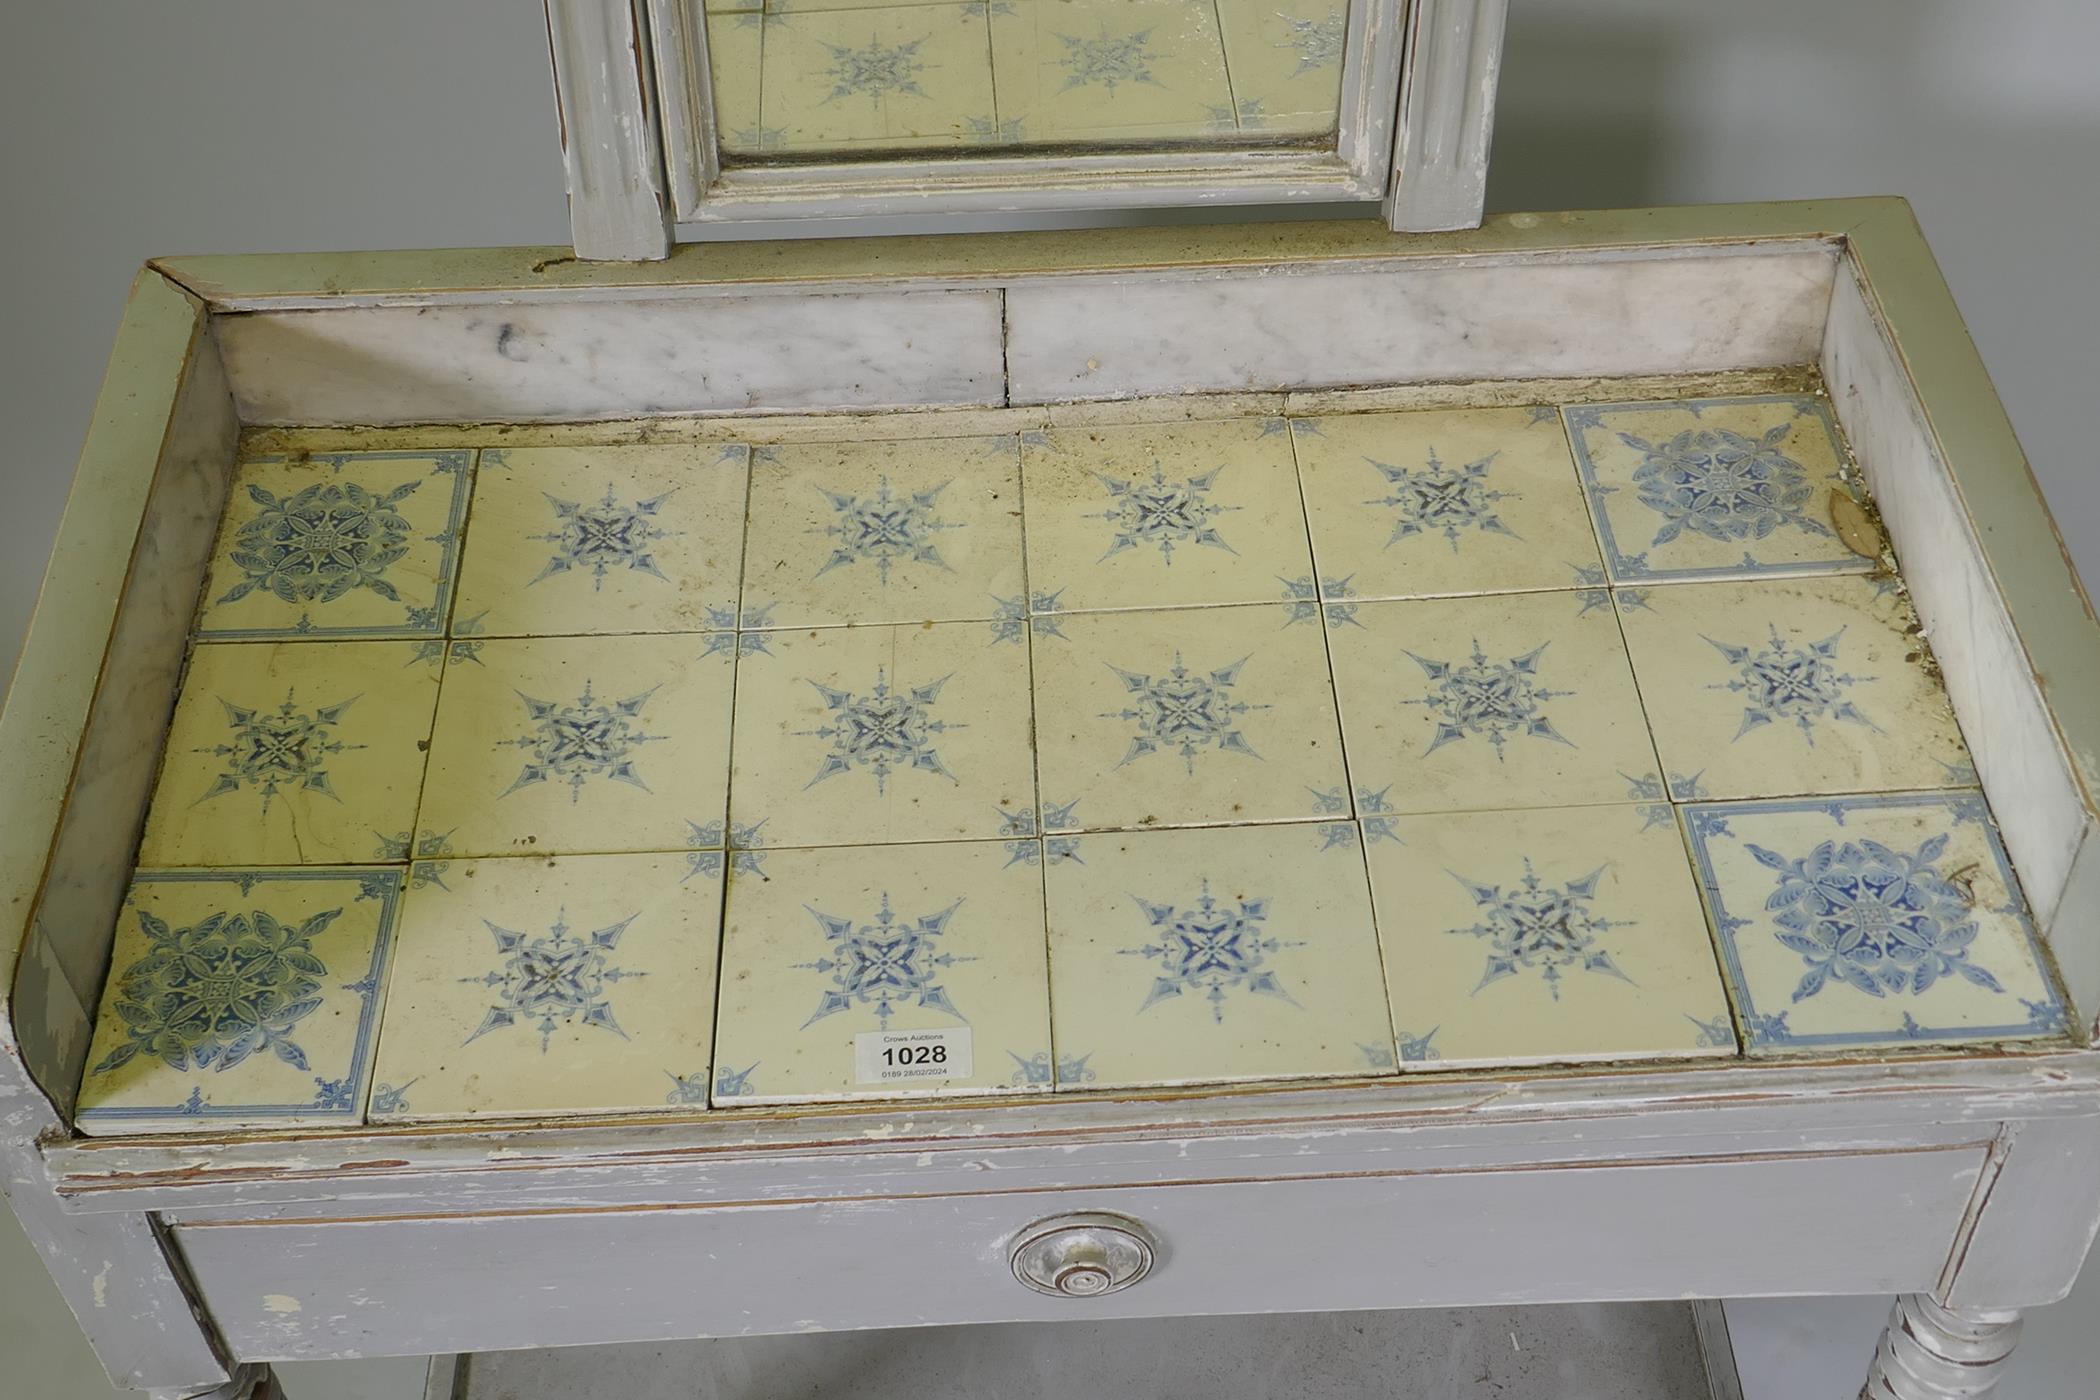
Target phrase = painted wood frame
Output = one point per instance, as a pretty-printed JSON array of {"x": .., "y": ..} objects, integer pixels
[
  {"x": 639, "y": 142},
  {"x": 1966, "y": 1178}
]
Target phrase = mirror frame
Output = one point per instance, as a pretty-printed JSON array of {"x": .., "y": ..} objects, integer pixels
[{"x": 632, "y": 81}]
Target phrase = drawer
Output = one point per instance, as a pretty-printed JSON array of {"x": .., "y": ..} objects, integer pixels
[{"x": 1869, "y": 1222}]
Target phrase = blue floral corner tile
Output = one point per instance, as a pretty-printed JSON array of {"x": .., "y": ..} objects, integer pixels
[
  {"x": 1713, "y": 488},
  {"x": 1214, "y": 954},
  {"x": 338, "y": 545},
  {"x": 1870, "y": 921},
  {"x": 241, "y": 999},
  {"x": 527, "y": 986}
]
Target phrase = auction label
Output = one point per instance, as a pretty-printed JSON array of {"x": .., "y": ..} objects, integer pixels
[{"x": 900, "y": 1057}]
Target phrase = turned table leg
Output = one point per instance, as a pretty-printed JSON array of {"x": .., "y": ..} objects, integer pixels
[{"x": 1928, "y": 1352}]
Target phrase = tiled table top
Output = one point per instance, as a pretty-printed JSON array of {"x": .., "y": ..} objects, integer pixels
[
  {"x": 847, "y": 78},
  {"x": 561, "y": 780}
]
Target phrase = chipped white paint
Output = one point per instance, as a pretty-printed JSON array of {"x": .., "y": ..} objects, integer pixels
[
  {"x": 282, "y": 1303},
  {"x": 1447, "y": 114}
]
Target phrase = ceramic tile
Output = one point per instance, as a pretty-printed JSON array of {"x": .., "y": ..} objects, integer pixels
[
  {"x": 897, "y": 76},
  {"x": 570, "y": 745},
  {"x": 1414, "y": 505},
  {"x": 1154, "y": 514},
  {"x": 867, "y": 735},
  {"x": 1859, "y": 921},
  {"x": 1285, "y": 58},
  {"x": 1105, "y": 70},
  {"x": 240, "y": 999},
  {"x": 824, "y": 947},
  {"x": 1713, "y": 488},
  {"x": 1550, "y": 936},
  {"x": 293, "y": 753},
  {"x": 603, "y": 539},
  {"x": 861, "y": 532},
  {"x": 1791, "y": 686},
  {"x": 1185, "y": 718},
  {"x": 1516, "y": 700},
  {"x": 735, "y": 64},
  {"x": 529, "y": 986},
  {"x": 337, "y": 545},
  {"x": 1218, "y": 954}
]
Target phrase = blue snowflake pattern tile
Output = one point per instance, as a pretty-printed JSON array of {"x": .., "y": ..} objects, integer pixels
[
  {"x": 1102, "y": 70},
  {"x": 1792, "y": 686},
  {"x": 1286, "y": 62},
  {"x": 575, "y": 540},
  {"x": 241, "y": 999},
  {"x": 290, "y": 753},
  {"x": 338, "y": 546},
  {"x": 1544, "y": 936},
  {"x": 914, "y": 530},
  {"x": 1513, "y": 700},
  {"x": 1714, "y": 488},
  {"x": 895, "y": 76},
  {"x": 578, "y": 744},
  {"x": 1880, "y": 920},
  {"x": 849, "y": 942},
  {"x": 537, "y": 986},
  {"x": 1154, "y": 515},
  {"x": 1220, "y": 953},
  {"x": 1176, "y": 718},
  {"x": 876, "y": 734},
  {"x": 1444, "y": 502}
]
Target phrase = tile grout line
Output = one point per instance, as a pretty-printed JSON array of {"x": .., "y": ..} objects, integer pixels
[
  {"x": 1334, "y": 690},
  {"x": 729, "y": 851}
]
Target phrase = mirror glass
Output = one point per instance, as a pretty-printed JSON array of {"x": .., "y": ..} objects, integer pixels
[{"x": 852, "y": 79}]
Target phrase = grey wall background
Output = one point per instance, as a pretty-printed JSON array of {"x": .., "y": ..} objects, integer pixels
[{"x": 140, "y": 127}]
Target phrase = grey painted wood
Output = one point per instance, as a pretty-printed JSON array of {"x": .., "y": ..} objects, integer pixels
[
  {"x": 1636, "y": 1351},
  {"x": 161, "y": 404},
  {"x": 1929, "y": 1352},
  {"x": 1877, "y": 1222},
  {"x": 611, "y": 150},
  {"x": 1447, "y": 115}
]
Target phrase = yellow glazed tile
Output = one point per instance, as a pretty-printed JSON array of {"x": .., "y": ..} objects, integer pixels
[
  {"x": 822, "y": 948},
  {"x": 1150, "y": 515},
  {"x": 240, "y": 999},
  {"x": 1185, "y": 718},
  {"x": 1227, "y": 953},
  {"x": 900, "y": 76},
  {"x": 1286, "y": 62},
  {"x": 735, "y": 45},
  {"x": 527, "y": 986},
  {"x": 1108, "y": 70},
  {"x": 1713, "y": 488},
  {"x": 603, "y": 539},
  {"x": 1859, "y": 921},
  {"x": 911, "y": 531},
  {"x": 294, "y": 753},
  {"x": 1517, "y": 700},
  {"x": 1415, "y": 505},
  {"x": 868, "y": 735},
  {"x": 1551, "y": 936},
  {"x": 572, "y": 745},
  {"x": 337, "y": 545},
  {"x": 1790, "y": 686}
]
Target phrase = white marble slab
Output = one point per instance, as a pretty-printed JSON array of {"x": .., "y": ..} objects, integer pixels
[
  {"x": 556, "y": 360},
  {"x": 1294, "y": 329},
  {"x": 2017, "y": 751}
]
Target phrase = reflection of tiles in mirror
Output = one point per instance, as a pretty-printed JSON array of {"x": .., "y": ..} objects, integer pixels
[
  {"x": 1052, "y": 752},
  {"x": 855, "y": 78}
]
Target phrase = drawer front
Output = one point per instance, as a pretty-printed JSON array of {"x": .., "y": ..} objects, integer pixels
[{"x": 1850, "y": 1223}]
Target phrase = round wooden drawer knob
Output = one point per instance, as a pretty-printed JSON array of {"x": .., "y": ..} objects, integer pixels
[{"x": 1083, "y": 1255}]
